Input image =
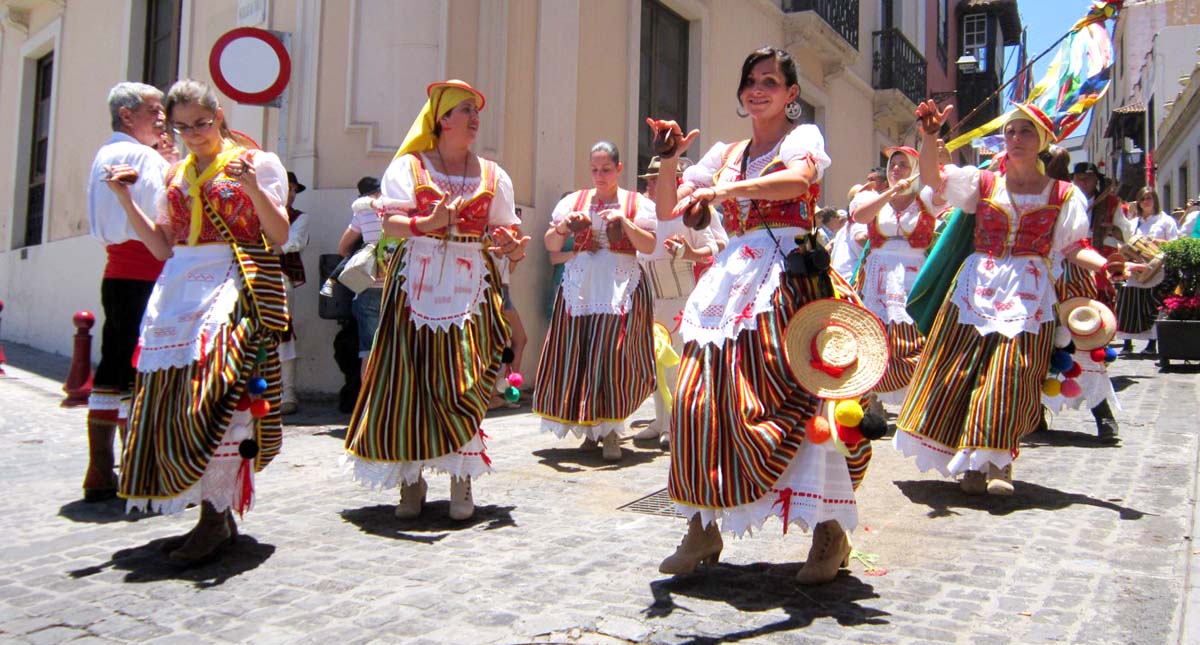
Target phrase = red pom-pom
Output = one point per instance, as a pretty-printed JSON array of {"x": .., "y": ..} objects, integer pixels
[
  {"x": 816, "y": 429},
  {"x": 260, "y": 408},
  {"x": 243, "y": 403},
  {"x": 849, "y": 435},
  {"x": 1074, "y": 371},
  {"x": 1098, "y": 355}
]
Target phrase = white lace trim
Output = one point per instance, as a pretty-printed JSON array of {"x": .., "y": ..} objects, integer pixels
[
  {"x": 820, "y": 490},
  {"x": 219, "y": 484},
  {"x": 103, "y": 401},
  {"x": 594, "y": 432},
  {"x": 738, "y": 287},
  {"x": 933, "y": 456},
  {"x": 600, "y": 283},
  {"x": 449, "y": 287},
  {"x": 469, "y": 461}
]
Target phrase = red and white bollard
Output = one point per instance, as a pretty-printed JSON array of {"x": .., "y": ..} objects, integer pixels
[
  {"x": 79, "y": 379},
  {"x": 2, "y": 356}
]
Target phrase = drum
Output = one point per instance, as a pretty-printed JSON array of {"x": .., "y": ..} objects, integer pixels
[
  {"x": 1145, "y": 251},
  {"x": 671, "y": 278}
]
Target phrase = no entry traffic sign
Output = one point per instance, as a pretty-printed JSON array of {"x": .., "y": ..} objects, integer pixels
[{"x": 250, "y": 65}]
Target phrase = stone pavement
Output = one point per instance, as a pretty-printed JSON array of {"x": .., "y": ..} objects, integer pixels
[{"x": 1093, "y": 548}]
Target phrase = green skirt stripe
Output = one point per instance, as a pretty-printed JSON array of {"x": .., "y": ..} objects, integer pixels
[
  {"x": 179, "y": 415},
  {"x": 426, "y": 390}
]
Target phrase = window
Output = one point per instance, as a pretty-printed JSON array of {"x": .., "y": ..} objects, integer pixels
[
  {"x": 1166, "y": 197},
  {"x": 1183, "y": 187},
  {"x": 943, "y": 26},
  {"x": 161, "y": 64},
  {"x": 662, "y": 84},
  {"x": 974, "y": 38},
  {"x": 39, "y": 150}
]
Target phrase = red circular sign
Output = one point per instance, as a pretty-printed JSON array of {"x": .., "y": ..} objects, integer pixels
[{"x": 228, "y": 75}]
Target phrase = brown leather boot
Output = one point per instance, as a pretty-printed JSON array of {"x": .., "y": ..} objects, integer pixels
[
  {"x": 412, "y": 499},
  {"x": 210, "y": 535},
  {"x": 1000, "y": 480},
  {"x": 100, "y": 481},
  {"x": 830, "y": 552},
  {"x": 172, "y": 543},
  {"x": 973, "y": 482},
  {"x": 700, "y": 544}
]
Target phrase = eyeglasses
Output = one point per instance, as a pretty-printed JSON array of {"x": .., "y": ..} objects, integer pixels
[
  {"x": 1146, "y": 198},
  {"x": 198, "y": 128}
]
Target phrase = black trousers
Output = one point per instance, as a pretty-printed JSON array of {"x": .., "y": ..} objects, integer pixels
[{"x": 124, "y": 303}]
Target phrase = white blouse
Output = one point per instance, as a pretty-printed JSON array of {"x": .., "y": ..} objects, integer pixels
[
  {"x": 398, "y": 184},
  {"x": 803, "y": 140}
]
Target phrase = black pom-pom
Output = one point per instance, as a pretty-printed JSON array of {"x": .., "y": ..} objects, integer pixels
[
  {"x": 873, "y": 426},
  {"x": 1070, "y": 347},
  {"x": 248, "y": 449},
  {"x": 795, "y": 265},
  {"x": 508, "y": 355},
  {"x": 819, "y": 260}
]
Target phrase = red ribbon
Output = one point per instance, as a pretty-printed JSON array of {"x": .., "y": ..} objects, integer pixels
[
  {"x": 245, "y": 482},
  {"x": 746, "y": 314},
  {"x": 678, "y": 321},
  {"x": 785, "y": 499},
  {"x": 818, "y": 363}
]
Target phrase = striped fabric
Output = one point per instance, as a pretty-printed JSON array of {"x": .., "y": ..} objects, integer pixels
[
  {"x": 261, "y": 272},
  {"x": 972, "y": 391},
  {"x": 597, "y": 368},
  {"x": 180, "y": 414},
  {"x": 904, "y": 344},
  {"x": 1076, "y": 282},
  {"x": 739, "y": 414},
  {"x": 1137, "y": 309},
  {"x": 425, "y": 391}
]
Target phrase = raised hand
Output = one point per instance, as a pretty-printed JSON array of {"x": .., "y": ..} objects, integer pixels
[
  {"x": 930, "y": 117},
  {"x": 669, "y": 140},
  {"x": 507, "y": 244},
  {"x": 119, "y": 178},
  {"x": 445, "y": 213},
  {"x": 577, "y": 222}
]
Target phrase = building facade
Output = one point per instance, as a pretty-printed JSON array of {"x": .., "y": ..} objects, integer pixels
[{"x": 559, "y": 75}]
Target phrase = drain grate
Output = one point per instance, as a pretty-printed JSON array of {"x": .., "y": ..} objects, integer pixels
[{"x": 656, "y": 503}]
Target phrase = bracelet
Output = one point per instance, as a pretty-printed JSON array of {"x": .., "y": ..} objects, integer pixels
[{"x": 412, "y": 224}]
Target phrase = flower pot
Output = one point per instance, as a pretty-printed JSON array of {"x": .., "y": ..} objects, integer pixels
[{"x": 1177, "y": 340}]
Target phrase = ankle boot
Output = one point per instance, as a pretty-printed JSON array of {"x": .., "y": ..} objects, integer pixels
[
  {"x": 973, "y": 482},
  {"x": 100, "y": 481},
  {"x": 211, "y": 533},
  {"x": 462, "y": 503},
  {"x": 1106, "y": 424},
  {"x": 412, "y": 498},
  {"x": 172, "y": 543},
  {"x": 700, "y": 544},
  {"x": 999, "y": 480},
  {"x": 830, "y": 552},
  {"x": 612, "y": 447},
  {"x": 1127, "y": 348},
  {"x": 1151, "y": 347},
  {"x": 588, "y": 444}
]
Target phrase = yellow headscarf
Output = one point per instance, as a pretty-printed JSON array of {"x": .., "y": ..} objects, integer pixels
[{"x": 442, "y": 98}]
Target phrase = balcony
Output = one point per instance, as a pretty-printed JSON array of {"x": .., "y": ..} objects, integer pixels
[
  {"x": 973, "y": 90},
  {"x": 897, "y": 65},
  {"x": 827, "y": 30}
]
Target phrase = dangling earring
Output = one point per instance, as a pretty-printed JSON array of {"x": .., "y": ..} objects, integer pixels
[
  {"x": 741, "y": 111},
  {"x": 793, "y": 111}
]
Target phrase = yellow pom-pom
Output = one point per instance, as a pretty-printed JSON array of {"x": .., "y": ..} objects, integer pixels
[
  {"x": 848, "y": 413},
  {"x": 1051, "y": 387}
]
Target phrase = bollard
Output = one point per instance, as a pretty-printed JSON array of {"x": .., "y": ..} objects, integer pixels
[
  {"x": 2, "y": 357},
  {"x": 79, "y": 379}
]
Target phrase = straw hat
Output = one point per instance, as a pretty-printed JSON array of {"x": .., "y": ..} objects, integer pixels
[
  {"x": 1092, "y": 324},
  {"x": 836, "y": 349}
]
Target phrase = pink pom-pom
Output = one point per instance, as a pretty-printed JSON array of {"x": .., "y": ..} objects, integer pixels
[
  {"x": 515, "y": 379},
  {"x": 1071, "y": 389}
]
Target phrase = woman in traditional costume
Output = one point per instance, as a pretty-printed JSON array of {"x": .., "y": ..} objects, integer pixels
[
  {"x": 441, "y": 334},
  {"x": 900, "y": 224},
  {"x": 205, "y": 412},
  {"x": 1137, "y": 299},
  {"x": 597, "y": 364},
  {"x": 977, "y": 386},
  {"x": 739, "y": 452}
]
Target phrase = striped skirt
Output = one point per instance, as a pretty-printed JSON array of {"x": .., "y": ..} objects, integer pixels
[
  {"x": 184, "y": 426},
  {"x": 972, "y": 397},
  {"x": 905, "y": 343},
  {"x": 1137, "y": 309},
  {"x": 425, "y": 391},
  {"x": 596, "y": 370},
  {"x": 737, "y": 433}
]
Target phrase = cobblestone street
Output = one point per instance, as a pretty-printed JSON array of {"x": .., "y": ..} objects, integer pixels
[{"x": 1094, "y": 547}]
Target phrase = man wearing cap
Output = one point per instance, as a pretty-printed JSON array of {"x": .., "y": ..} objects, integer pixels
[
  {"x": 694, "y": 250},
  {"x": 293, "y": 270},
  {"x": 129, "y": 271},
  {"x": 1108, "y": 224}
]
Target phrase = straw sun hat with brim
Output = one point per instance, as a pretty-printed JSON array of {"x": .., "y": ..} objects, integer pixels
[
  {"x": 1091, "y": 322},
  {"x": 836, "y": 349}
]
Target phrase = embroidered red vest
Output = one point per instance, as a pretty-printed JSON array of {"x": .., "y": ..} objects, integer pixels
[
  {"x": 761, "y": 213},
  {"x": 586, "y": 239},
  {"x": 473, "y": 216},
  {"x": 1035, "y": 228},
  {"x": 226, "y": 196},
  {"x": 920, "y": 237}
]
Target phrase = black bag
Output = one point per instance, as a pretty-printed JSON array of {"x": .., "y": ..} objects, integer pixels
[{"x": 337, "y": 306}]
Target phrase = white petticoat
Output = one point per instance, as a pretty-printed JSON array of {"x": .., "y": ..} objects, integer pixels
[
  {"x": 468, "y": 462},
  {"x": 192, "y": 301},
  {"x": 888, "y": 278},
  {"x": 219, "y": 484},
  {"x": 445, "y": 281},
  {"x": 602, "y": 282},
  {"x": 1008, "y": 295},
  {"x": 815, "y": 487},
  {"x": 948, "y": 462},
  {"x": 594, "y": 432},
  {"x": 738, "y": 287}
]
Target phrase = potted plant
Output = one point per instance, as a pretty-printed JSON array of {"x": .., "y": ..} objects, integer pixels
[{"x": 1178, "y": 327}]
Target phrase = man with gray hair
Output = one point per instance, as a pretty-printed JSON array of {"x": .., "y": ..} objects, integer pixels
[{"x": 129, "y": 273}]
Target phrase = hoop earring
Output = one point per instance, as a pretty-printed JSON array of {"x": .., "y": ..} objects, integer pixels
[
  {"x": 741, "y": 111},
  {"x": 793, "y": 111}
]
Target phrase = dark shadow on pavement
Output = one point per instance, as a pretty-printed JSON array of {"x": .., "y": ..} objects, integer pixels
[
  {"x": 1177, "y": 367},
  {"x": 1064, "y": 438},
  {"x": 762, "y": 587},
  {"x": 1124, "y": 382},
  {"x": 148, "y": 563},
  {"x": 504, "y": 411},
  {"x": 943, "y": 496},
  {"x": 106, "y": 512},
  {"x": 45, "y": 364},
  {"x": 336, "y": 433},
  {"x": 574, "y": 460},
  {"x": 431, "y": 527}
]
